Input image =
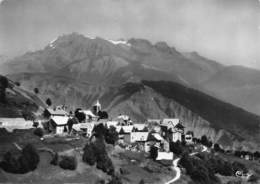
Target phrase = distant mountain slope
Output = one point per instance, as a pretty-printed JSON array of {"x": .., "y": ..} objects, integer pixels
[
  {"x": 95, "y": 58},
  {"x": 209, "y": 66},
  {"x": 97, "y": 61},
  {"x": 224, "y": 123},
  {"x": 83, "y": 68},
  {"x": 237, "y": 85},
  {"x": 168, "y": 59},
  {"x": 19, "y": 102}
]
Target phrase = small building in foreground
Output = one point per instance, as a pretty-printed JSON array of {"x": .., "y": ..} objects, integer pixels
[
  {"x": 84, "y": 129},
  {"x": 49, "y": 112},
  {"x": 58, "y": 124}
]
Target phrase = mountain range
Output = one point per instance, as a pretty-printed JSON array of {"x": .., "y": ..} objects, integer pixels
[{"x": 145, "y": 80}]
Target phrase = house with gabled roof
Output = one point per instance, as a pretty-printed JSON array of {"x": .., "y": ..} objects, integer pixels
[
  {"x": 124, "y": 120},
  {"x": 58, "y": 124},
  {"x": 137, "y": 138},
  {"x": 126, "y": 128},
  {"x": 123, "y": 131},
  {"x": 90, "y": 116},
  {"x": 170, "y": 122},
  {"x": 85, "y": 129},
  {"x": 155, "y": 139},
  {"x": 49, "y": 112},
  {"x": 172, "y": 129},
  {"x": 58, "y": 119}
]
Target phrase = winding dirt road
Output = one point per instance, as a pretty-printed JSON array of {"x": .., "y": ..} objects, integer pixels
[{"x": 178, "y": 170}]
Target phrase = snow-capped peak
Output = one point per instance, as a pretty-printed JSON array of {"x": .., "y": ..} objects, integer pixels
[
  {"x": 116, "y": 42},
  {"x": 76, "y": 36},
  {"x": 52, "y": 43},
  {"x": 66, "y": 37},
  {"x": 91, "y": 37}
]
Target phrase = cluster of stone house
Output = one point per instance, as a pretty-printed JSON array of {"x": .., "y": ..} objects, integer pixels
[
  {"x": 172, "y": 130},
  {"x": 157, "y": 133},
  {"x": 58, "y": 118},
  {"x": 140, "y": 136}
]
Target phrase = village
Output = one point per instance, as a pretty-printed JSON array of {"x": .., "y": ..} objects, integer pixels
[
  {"x": 132, "y": 136},
  {"x": 160, "y": 139}
]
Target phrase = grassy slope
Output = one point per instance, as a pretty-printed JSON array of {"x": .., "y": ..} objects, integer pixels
[
  {"x": 19, "y": 100},
  {"x": 137, "y": 170},
  {"x": 46, "y": 173}
]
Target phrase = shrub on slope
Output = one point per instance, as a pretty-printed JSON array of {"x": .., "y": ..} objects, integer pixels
[{"x": 22, "y": 161}]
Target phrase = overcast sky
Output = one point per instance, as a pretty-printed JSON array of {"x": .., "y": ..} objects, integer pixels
[{"x": 224, "y": 30}]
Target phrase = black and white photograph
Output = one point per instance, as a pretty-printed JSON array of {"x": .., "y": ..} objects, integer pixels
[{"x": 129, "y": 91}]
